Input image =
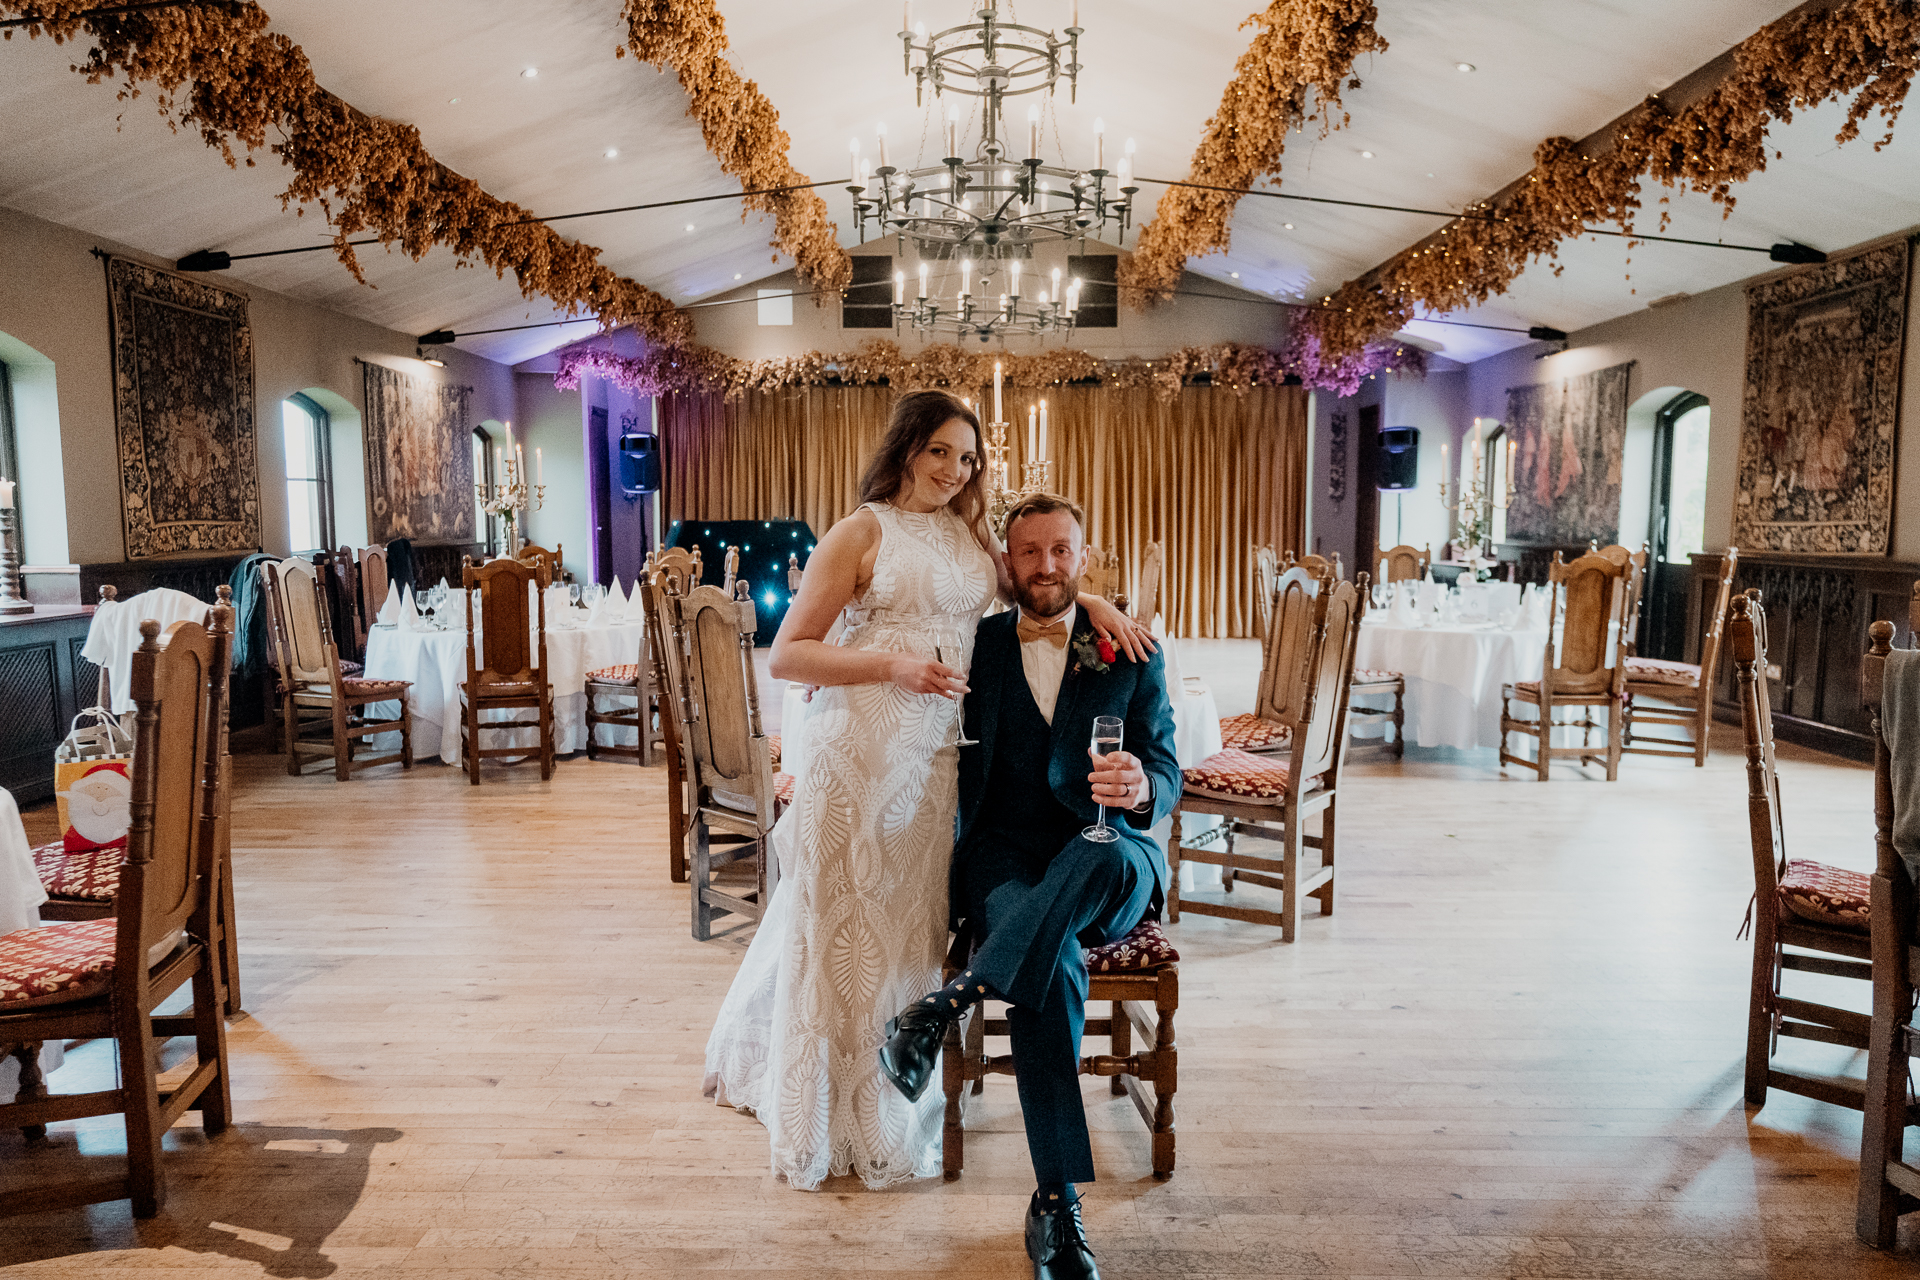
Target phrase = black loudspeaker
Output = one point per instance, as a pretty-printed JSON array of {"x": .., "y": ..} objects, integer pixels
[
  {"x": 1399, "y": 458},
  {"x": 640, "y": 464}
]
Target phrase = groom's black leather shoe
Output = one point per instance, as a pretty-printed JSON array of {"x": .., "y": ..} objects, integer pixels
[
  {"x": 1057, "y": 1243},
  {"x": 913, "y": 1048}
]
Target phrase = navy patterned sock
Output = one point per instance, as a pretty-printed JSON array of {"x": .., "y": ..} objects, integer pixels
[
  {"x": 1051, "y": 1197},
  {"x": 955, "y": 998}
]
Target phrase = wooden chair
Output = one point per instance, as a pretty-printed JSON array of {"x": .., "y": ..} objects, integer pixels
[
  {"x": 1583, "y": 667},
  {"x": 1682, "y": 691},
  {"x": 1317, "y": 565},
  {"x": 730, "y": 570},
  {"x": 1139, "y": 976},
  {"x": 631, "y": 680},
  {"x": 1266, "y": 581},
  {"x": 514, "y": 674},
  {"x": 97, "y": 979},
  {"x": 681, "y": 568},
  {"x": 323, "y": 711},
  {"x": 373, "y": 582},
  {"x": 1889, "y": 1183},
  {"x": 350, "y": 623},
  {"x": 735, "y": 790},
  {"x": 1101, "y": 577},
  {"x": 1379, "y": 681},
  {"x": 667, "y": 661},
  {"x": 1305, "y": 686},
  {"x": 1260, "y": 731},
  {"x": 1146, "y": 599},
  {"x": 548, "y": 561},
  {"x": 1781, "y": 903},
  {"x": 1405, "y": 563}
]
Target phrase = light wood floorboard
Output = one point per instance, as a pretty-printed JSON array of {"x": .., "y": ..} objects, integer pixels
[{"x": 477, "y": 1024}]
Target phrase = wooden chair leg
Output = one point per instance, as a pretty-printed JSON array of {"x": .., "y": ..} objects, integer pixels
[
  {"x": 33, "y": 1085},
  {"x": 1766, "y": 967},
  {"x": 406, "y": 734},
  {"x": 342, "y": 758},
  {"x": 1167, "y": 1081},
  {"x": 953, "y": 1144},
  {"x": 1702, "y": 720},
  {"x": 1543, "y": 753},
  {"x": 1175, "y": 850},
  {"x": 140, "y": 1107},
  {"x": 701, "y": 874},
  {"x": 470, "y": 743},
  {"x": 1122, "y": 1039},
  {"x": 290, "y": 725},
  {"x": 215, "y": 1103},
  {"x": 224, "y": 921},
  {"x": 1883, "y": 1126},
  {"x": 593, "y": 726},
  {"x": 1325, "y": 892},
  {"x": 546, "y": 739},
  {"x": 1400, "y": 722},
  {"x": 1615, "y": 726},
  {"x": 1290, "y": 846}
]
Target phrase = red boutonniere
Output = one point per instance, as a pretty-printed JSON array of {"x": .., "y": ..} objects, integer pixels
[
  {"x": 1094, "y": 653},
  {"x": 1105, "y": 646}
]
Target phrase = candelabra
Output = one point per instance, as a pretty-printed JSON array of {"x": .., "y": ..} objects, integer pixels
[
  {"x": 1047, "y": 313},
  {"x": 12, "y": 598},
  {"x": 509, "y": 497},
  {"x": 1475, "y": 509},
  {"x": 1035, "y": 477}
]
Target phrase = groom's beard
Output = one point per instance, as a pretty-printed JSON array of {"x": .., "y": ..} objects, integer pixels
[{"x": 1046, "y": 597}]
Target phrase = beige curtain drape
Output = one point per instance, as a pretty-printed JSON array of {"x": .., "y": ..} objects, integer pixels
[{"x": 1209, "y": 474}]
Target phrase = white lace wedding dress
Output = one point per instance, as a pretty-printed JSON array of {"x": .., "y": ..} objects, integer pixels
[{"x": 856, "y": 930}]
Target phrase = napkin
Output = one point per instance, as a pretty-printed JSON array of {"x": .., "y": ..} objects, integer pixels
[
  {"x": 409, "y": 616},
  {"x": 390, "y": 609},
  {"x": 444, "y": 586},
  {"x": 1429, "y": 596},
  {"x": 616, "y": 600}
]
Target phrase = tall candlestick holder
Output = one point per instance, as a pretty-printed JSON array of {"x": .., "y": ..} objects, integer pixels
[
  {"x": 1035, "y": 477},
  {"x": 1475, "y": 509},
  {"x": 13, "y": 597},
  {"x": 508, "y": 498}
]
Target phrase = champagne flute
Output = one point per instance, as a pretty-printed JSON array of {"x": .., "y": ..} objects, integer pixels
[
  {"x": 950, "y": 650},
  {"x": 1108, "y": 733}
]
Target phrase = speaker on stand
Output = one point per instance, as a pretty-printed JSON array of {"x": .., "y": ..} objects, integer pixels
[{"x": 1397, "y": 467}]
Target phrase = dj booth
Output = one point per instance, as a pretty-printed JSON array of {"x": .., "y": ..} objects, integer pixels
[{"x": 764, "y": 548}]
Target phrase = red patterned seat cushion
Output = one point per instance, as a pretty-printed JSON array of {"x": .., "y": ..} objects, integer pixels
[
  {"x": 1660, "y": 671},
  {"x": 505, "y": 689},
  {"x": 1365, "y": 675},
  {"x": 783, "y": 787},
  {"x": 56, "y": 963},
  {"x": 1251, "y": 733},
  {"x": 1239, "y": 776},
  {"x": 89, "y": 874},
  {"x": 1146, "y": 947},
  {"x": 359, "y": 688},
  {"x": 773, "y": 747},
  {"x": 1827, "y": 895},
  {"x": 623, "y": 673}
]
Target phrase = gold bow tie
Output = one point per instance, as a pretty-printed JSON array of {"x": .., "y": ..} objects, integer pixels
[{"x": 1054, "y": 633}]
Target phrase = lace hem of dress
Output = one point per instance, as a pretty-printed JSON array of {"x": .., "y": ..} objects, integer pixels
[{"x": 840, "y": 1164}]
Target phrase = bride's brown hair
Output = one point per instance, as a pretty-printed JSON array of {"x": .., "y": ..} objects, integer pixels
[{"x": 916, "y": 416}]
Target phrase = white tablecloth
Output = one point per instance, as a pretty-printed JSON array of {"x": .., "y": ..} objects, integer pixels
[
  {"x": 436, "y": 663},
  {"x": 1454, "y": 672},
  {"x": 20, "y": 899}
]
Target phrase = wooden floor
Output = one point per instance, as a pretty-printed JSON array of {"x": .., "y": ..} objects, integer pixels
[{"x": 477, "y": 1023}]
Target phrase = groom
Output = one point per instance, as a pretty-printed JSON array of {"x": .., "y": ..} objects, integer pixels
[{"x": 1026, "y": 881}]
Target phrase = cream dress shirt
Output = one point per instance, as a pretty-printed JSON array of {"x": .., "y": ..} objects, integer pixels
[{"x": 1046, "y": 666}]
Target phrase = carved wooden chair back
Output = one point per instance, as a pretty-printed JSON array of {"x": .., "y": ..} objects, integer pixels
[
  {"x": 681, "y": 568},
  {"x": 1889, "y": 1182},
  {"x": 510, "y": 635},
  {"x": 730, "y": 570},
  {"x": 732, "y": 763},
  {"x": 344, "y": 568},
  {"x": 1318, "y": 699},
  {"x": 298, "y": 625},
  {"x": 668, "y": 665},
  {"x": 1711, "y": 644},
  {"x": 1748, "y": 631},
  {"x": 1266, "y": 580},
  {"x": 548, "y": 562},
  {"x": 1588, "y": 596},
  {"x": 795, "y": 574},
  {"x": 1285, "y": 650},
  {"x": 1099, "y": 578},
  {"x": 1318, "y": 566},
  {"x": 1146, "y": 601},
  {"x": 1405, "y": 563},
  {"x": 1636, "y": 564},
  {"x": 373, "y": 581}
]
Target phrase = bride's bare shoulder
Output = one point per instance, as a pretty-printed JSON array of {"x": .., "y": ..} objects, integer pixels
[{"x": 857, "y": 532}]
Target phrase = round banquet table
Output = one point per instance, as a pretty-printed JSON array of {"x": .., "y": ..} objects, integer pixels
[
  {"x": 1453, "y": 671},
  {"x": 20, "y": 899},
  {"x": 436, "y": 663}
]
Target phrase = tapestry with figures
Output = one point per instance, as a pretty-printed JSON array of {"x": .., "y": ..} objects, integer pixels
[
  {"x": 1569, "y": 435},
  {"x": 183, "y": 412},
  {"x": 1819, "y": 413},
  {"x": 419, "y": 459}
]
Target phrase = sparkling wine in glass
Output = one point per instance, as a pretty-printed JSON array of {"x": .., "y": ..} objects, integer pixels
[
  {"x": 1108, "y": 733},
  {"x": 950, "y": 650}
]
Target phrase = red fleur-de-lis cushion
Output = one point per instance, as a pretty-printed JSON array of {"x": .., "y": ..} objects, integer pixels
[
  {"x": 1827, "y": 895},
  {"x": 1660, "y": 671},
  {"x": 783, "y": 787},
  {"x": 1251, "y": 733},
  {"x": 773, "y": 750},
  {"x": 89, "y": 874},
  {"x": 377, "y": 688},
  {"x": 1367, "y": 675},
  {"x": 56, "y": 963},
  {"x": 622, "y": 673},
  {"x": 1145, "y": 947},
  {"x": 1240, "y": 776}
]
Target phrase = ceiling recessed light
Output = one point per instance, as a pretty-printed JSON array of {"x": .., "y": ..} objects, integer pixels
[
  {"x": 689, "y": 226},
  {"x": 1287, "y": 225},
  {"x": 736, "y": 275},
  {"x": 1366, "y": 155},
  {"x": 530, "y": 73},
  {"x": 1234, "y": 274},
  {"x": 1463, "y": 66},
  {"x": 453, "y": 102},
  {"x": 612, "y": 152}
]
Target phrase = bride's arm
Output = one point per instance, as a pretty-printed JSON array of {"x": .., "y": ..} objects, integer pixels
[{"x": 838, "y": 570}]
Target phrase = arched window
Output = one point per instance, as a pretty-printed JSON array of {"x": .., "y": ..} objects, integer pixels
[
  {"x": 309, "y": 448},
  {"x": 9, "y": 458},
  {"x": 1493, "y": 479},
  {"x": 485, "y": 526}
]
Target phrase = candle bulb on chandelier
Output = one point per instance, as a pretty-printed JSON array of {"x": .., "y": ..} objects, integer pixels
[
  {"x": 899, "y": 288},
  {"x": 883, "y": 144},
  {"x": 1043, "y": 432},
  {"x": 953, "y": 130},
  {"x": 1033, "y": 433},
  {"x": 1099, "y": 143},
  {"x": 1014, "y": 267},
  {"x": 966, "y": 277},
  {"x": 1444, "y": 473},
  {"x": 996, "y": 391},
  {"x": 539, "y": 468},
  {"x": 923, "y": 282},
  {"x": 1033, "y": 133},
  {"x": 1056, "y": 282}
]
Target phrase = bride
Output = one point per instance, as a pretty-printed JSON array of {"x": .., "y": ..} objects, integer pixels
[{"x": 859, "y": 922}]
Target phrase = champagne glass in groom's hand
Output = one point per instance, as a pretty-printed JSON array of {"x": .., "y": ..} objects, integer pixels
[{"x": 1108, "y": 733}]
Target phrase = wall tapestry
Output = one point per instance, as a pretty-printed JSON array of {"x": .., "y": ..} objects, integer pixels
[
  {"x": 1568, "y": 436},
  {"x": 419, "y": 459},
  {"x": 1817, "y": 423},
  {"x": 183, "y": 412},
  {"x": 1337, "y": 457}
]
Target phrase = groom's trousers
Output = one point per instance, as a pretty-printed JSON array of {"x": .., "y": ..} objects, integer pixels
[{"x": 1039, "y": 915}]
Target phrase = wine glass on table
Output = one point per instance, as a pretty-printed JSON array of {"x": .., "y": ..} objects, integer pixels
[
  {"x": 573, "y": 594},
  {"x": 950, "y": 650},
  {"x": 1108, "y": 733}
]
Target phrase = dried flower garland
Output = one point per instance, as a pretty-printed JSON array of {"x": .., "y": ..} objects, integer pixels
[
  {"x": 742, "y": 130},
  {"x": 662, "y": 371},
  {"x": 1868, "y": 49},
  {"x": 219, "y": 70},
  {"x": 1303, "y": 45}
]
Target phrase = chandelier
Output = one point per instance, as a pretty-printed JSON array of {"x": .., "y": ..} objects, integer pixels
[{"x": 991, "y": 207}]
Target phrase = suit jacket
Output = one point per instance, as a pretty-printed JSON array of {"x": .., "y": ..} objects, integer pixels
[{"x": 1136, "y": 692}]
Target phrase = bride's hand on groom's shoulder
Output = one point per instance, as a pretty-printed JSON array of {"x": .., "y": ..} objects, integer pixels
[
  {"x": 924, "y": 675},
  {"x": 1132, "y": 638}
]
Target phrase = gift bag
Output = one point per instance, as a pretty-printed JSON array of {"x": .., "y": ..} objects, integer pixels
[{"x": 92, "y": 771}]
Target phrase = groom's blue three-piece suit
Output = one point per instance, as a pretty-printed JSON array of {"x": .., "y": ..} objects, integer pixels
[{"x": 1030, "y": 889}]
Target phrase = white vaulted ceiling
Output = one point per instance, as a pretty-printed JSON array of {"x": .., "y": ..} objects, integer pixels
[{"x": 71, "y": 153}]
